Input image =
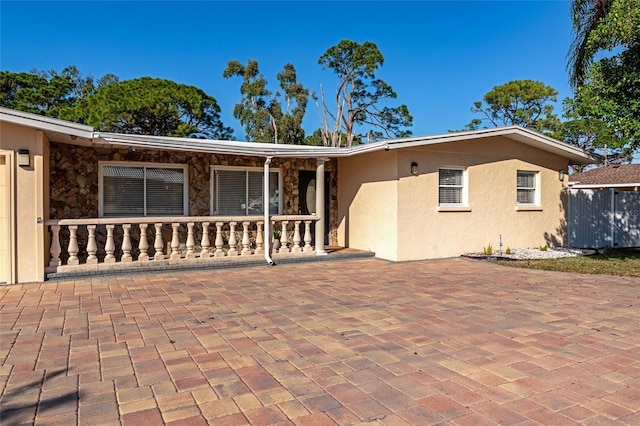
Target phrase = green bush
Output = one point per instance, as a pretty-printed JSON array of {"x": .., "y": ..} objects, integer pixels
[
  {"x": 508, "y": 251},
  {"x": 488, "y": 250},
  {"x": 543, "y": 248}
]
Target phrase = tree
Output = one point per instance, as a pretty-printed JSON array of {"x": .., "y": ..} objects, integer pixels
[
  {"x": 359, "y": 97},
  {"x": 610, "y": 89},
  {"x": 586, "y": 16},
  {"x": 261, "y": 111},
  {"x": 591, "y": 135},
  {"x": 150, "y": 106},
  {"x": 524, "y": 103},
  {"x": 47, "y": 92},
  {"x": 611, "y": 94}
]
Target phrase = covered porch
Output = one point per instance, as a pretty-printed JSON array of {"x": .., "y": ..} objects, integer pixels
[{"x": 138, "y": 244}]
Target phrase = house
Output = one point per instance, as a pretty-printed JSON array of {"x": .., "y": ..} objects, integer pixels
[
  {"x": 604, "y": 207},
  {"x": 77, "y": 200},
  {"x": 621, "y": 177}
]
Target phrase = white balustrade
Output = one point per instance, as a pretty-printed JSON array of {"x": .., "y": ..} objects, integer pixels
[{"x": 103, "y": 241}]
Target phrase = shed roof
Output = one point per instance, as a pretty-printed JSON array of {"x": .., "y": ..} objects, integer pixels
[
  {"x": 77, "y": 134},
  {"x": 611, "y": 176}
]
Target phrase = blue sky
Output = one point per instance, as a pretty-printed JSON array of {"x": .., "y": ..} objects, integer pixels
[{"x": 440, "y": 57}]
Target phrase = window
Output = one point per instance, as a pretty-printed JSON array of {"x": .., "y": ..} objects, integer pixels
[
  {"x": 451, "y": 187},
  {"x": 527, "y": 183},
  {"x": 138, "y": 189},
  {"x": 237, "y": 191}
]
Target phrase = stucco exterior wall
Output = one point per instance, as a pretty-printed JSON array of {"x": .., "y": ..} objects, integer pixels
[
  {"x": 425, "y": 231},
  {"x": 367, "y": 203},
  {"x": 29, "y": 204}
]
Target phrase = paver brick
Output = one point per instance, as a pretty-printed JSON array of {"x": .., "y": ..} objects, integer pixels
[{"x": 367, "y": 341}]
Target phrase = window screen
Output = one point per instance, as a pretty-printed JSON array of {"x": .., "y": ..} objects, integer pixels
[
  {"x": 526, "y": 183},
  {"x": 142, "y": 191},
  {"x": 239, "y": 192},
  {"x": 450, "y": 185}
]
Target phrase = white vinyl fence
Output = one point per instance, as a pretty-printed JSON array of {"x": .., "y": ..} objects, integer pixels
[{"x": 603, "y": 218}]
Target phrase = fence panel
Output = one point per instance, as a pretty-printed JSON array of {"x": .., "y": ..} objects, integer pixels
[
  {"x": 627, "y": 219},
  {"x": 603, "y": 218}
]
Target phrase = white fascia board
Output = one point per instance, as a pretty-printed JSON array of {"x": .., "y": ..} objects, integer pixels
[
  {"x": 252, "y": 149},
  {"x": 46, "y": 124}
]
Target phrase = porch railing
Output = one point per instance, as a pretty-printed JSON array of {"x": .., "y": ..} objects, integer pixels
[{"x": 97, "y": 243}]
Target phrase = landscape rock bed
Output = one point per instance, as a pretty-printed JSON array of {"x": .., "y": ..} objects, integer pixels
[{"x": 533, "y": 254}]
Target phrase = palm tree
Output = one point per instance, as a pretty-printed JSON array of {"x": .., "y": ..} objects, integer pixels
[{"x": 586, "y": 15}]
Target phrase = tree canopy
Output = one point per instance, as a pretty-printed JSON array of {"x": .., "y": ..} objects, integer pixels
[
  {"x": 267, "y": 116},
  {"x": 47, "y": 92},
  {"x": 524, "y": 103},
  {"x": 151, "y": 106},
  {"x": 609, "y": 89},
  {"x": 360, "y": 98}
]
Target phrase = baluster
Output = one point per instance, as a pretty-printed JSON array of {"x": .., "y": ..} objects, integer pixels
[
  {"x": 143, "y": 246},
  {"x": 233, "y": 251},
  {"x": 296, "y": 238},
  {"x": 204, "y": 243},
  {"x": 246, "y": 250},
  {"x": 219, "y": 241},
  {"x": 159, "y": 243},
  {"x": 191, "y": 242},
  {"x": 92, "y": 248},
  {"x": 73, "y": 246},
  {"x": 110, "y": 245},
  {"x": 259, "y": 238},
  {"x": 175, "y": 242},
  {"x": 307, "y": 237},
  {"x": 126, "y": 243},
  {"x": 55, "y": 246},
  {"x": 284, "y": 238}
]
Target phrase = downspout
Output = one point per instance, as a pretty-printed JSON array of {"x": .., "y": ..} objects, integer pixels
[{"x": 267, "y": 219}]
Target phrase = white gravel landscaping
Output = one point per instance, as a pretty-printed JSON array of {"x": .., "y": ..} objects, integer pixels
[{"x": 534, "y": 253}]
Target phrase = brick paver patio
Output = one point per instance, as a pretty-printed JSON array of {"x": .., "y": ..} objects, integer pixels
[{"x": 365, "y": 341}]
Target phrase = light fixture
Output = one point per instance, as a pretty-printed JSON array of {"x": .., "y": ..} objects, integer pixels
[
  {"x": 23, "y": 157},
  {"x": 561, "y": 175},
  {"x": 414, "y": 168}
]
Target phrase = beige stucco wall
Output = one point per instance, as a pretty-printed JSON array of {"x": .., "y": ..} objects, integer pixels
[
  {"x": 367, "y": 203},
  {"x": 29, "y": 186},
  {"x": 422, "y": 230}
]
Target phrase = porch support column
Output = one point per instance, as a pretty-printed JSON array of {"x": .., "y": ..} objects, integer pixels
[{"x": 320, "y": 207}]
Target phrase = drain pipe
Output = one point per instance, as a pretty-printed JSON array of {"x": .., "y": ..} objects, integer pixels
[{"x": 267, "y": 219}]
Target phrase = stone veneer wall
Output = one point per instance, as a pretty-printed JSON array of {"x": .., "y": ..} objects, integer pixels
[{"x": 74, "y": 178}]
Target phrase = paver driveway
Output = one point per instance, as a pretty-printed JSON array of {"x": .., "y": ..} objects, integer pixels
[{"x": 363, "y": 341}]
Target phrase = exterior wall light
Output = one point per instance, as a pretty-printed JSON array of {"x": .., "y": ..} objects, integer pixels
[
  {"x": 23, "y": 158},
  {"x": 414, "y": 168},
  {"x": 561, "y": 175}
]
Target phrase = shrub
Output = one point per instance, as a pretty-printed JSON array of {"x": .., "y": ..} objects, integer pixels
[
  {"x": 543, "y": 248},
  {"x": 508, "y": 251},
  {"x": 488, "y": 250}
]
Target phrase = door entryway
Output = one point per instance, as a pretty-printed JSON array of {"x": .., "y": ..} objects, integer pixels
[{"x": 307, "y": 201}]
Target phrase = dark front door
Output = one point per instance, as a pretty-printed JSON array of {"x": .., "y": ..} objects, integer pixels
[{"x": 307, "y": 201}]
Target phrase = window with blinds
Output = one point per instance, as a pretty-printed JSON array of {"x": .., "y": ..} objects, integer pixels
[
  {"x": 451, "y": 187},
  {"x": 526, "y": 183},
  {"x": 238, "y": 191},
  {"x": 143, "y": 190}
]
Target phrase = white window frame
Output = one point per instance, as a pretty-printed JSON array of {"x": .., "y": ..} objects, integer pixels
[
  {"x": 246, "y": 169},
  {"x": 183, "y": 167},
  {"x": 464, "y": 187},
  {"x": 535, "y": 188}
]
